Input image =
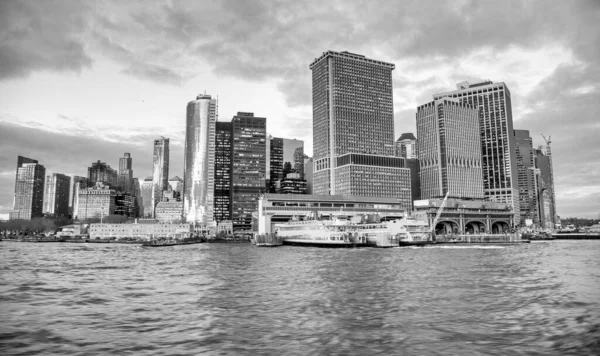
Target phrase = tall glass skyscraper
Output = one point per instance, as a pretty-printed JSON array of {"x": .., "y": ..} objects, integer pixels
[
  {"x": 29, "y": 190},
  {"x": 199, "y": 160},
  {"x": 353, "y": 129},
  {"x": 160, "y": 171},
  {"x": 125, "y": 178},
  {"x": 498, "y": 149},
  {"x": 449, "y": 150},
  {"x": 526, "y": 177},
  {"x": 56, "y": 194}
]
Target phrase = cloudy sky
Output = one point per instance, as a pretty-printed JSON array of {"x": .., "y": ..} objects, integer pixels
[{"x": 82, "y": 81}]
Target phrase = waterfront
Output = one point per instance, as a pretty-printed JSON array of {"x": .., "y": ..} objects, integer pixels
[{"x": 541, "y": 298}]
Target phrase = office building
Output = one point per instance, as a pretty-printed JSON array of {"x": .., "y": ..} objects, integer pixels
[
  {"x": 176, "y": 185},
  {"x": 96, "y": 202},
  {"x": 281, "y": 151},
  {"x": 199, "y": 161},
  {"x": 308, "y": 174},
  {"x": 449, "y": 150},
  {"x": 101, "y": 172},
  {"x": 160, "y": 170},
  {"x": 498, "y": 151},
  {"x": 147, "y": 206},
  {"x": 170, "y": 211},
  {"x": 29, "y": 190},
  {"x": 222, "y": 197},
  {"x": 545, "y": 187},
  {"x": 126, "y": 205},
  {"x": 353, "y": 129},
  {"x": 292, "y": 183},
  {"x": 56, "y": 195},
  {"x": 248, "y": 162},
  {"x": 77, "y": 183},
  {"x": 526, "y": 178},
  {"x": 125, "y": 177},
  {"x": 406, "y": 146}
]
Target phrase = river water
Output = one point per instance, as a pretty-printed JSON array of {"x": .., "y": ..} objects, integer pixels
[{"x": 541, "y": 298}]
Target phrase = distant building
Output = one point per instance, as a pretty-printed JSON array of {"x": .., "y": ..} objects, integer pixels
[
  {"x": 406, "y": 146},
  {"x": 176, "y": 184},
  {"x": 139, "y": 231},
  {"x": 308, "y": 174},
  {"x": 291, "y": 184},
  {"x": 545, "y": 185},
  {"x": 125, "y": 177},
  {"x": 199, "y": 160},
  {"x": 147, "y": 207},
  {"x": 222, "y": 199},
  {"x": 415, "y": 181},
  {"x": 126, "y": 205},
  {"x": 56, "y": 195},
  {"x": 449, "y": 150},
  {"x": 249, "y": 135},
  {"x": 169, "y": 211},
  {"x": 280, "y": 152},
  {"x": 498, "y": 151},
  {"x": 77, "y": 183},
  {"x": 526, "y": 177},
  {"x": 101, "y": 172},
  {"x": 96, "y": 202},
  {"x": 29, "y": 190},
  {"x": 353, "y": 129},
  {"x": 160, "y": 170}
]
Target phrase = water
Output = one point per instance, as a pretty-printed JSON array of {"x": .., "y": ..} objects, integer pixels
[{"x": 541, "y": 298}]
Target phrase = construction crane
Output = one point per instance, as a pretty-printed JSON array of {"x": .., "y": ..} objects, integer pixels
[
  {"x": 547, "y": 140},
  {"x": 439, "y": 213}
]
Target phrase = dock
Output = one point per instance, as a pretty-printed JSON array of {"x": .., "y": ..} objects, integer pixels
[
  {"x": 480, "y": 239},
  {"x": 268, "y": 240}
]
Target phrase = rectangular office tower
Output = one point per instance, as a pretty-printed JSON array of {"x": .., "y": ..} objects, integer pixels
[
  {"x": 498, "y": 151},
  {"x": 526, "y": 177},
  {"x": 56, "y": 195},
  {"x": 284, "y": 156},
  {"x": 248, "y": 167},
  {"x": 353, "y": 114},
  {"x": 223, "y": 144},
  {"x": 125, "y": 177},
  {"x": 449, "y": 150},
  {"x": 199, "y": 162},
  {"x": 545, "y": 187},
  {"x": 29, "y": 190},
  {"x": 160, "y": 170}
]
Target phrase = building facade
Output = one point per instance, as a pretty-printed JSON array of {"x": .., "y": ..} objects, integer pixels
[
  {"x": 199, "y": 160},
  {"x": 545, "y": 188},
  {"x": 406, "y": 146},
  {"x": 160, "y": 170},
  {"x": 282, "y": 151},
  {"x": 292, "y": 183},
  {"x": 248, "y": 167},
  {"x": 126, "y": 205},
  {"x": 147, "y": 206},
  {"x": 353, "y": 113},
  {"x": 125, "y": 176},
  {"x": 526, "y": 177},
  {"x": 176, "y": 185},
  {"x": 169, "y": 211},
  {"x": 449, "y": 150},
  {"x": 77, "y": 183},
  {"x": 97, "y": 201},
  {"x": 139, "y": 231},
  {"x": 56, "y": 195},
  {"x": 101, "y": 172},
  {"x": 498, "y": 151},
  {"x": 223, "y": 144},
  {"x": 29, "y": 190}
]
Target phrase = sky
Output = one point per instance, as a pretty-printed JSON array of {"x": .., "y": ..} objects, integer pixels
[{"x": 82, "y": 81}]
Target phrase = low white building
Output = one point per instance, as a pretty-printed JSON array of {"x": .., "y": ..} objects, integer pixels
[{"x": 139, "y": 231}]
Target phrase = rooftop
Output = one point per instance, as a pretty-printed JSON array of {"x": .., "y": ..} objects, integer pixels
[{"x": 407, "y": 136}]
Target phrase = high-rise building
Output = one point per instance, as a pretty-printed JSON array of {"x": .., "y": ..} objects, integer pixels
[
  {"x": 160, "y": 170},
  {"x": 29, "y": 190},
  {"x": 147, "y": 207},
  {"x": 97, "y": 201},
  {"x": 101, "y": 172},
  {"x": 249, "y": 135},
  {"x": 223, "y": 144},
  {"x": 526, "y": 177},
  {"x": 353, "y": 129},
  {"x": 292, "y": 183},
  {"x": 125, "y": 177},
  {"x": 56, "y": 195},
  {"x": 199, "y": 162},
  {"x": 406, "y": 146},
  {"x": 280, "y": 152},
  {"x": 449, "y": 150},
  {"x": 74, "y": 189},
  {"x": 545, "y": 186},
  {"x": 498, "y": 151},
  {"x": 308, "y": 174}
]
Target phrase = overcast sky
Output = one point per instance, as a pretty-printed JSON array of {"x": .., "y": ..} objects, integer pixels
[{"x": 82, "y": 81}]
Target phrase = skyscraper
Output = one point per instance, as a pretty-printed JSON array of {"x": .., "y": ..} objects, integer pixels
[
  {"x": 249, "y": 135},
  {"x": 282, "y": 151},
  {"x": 353, "y": 129},
  {"x": 160, "y": 170},
  {"x": 147, "y": 206},
  {"x": 56, "y": 194},
  {"x": 449, "y": 150},
  {"x": 101, "y": 172},
  {"x": 223, "y": 144},
  {"x": 29, "y": 190},
  {"x": 545, "y": 185},
  {"x": 199, "y": 160},
  {"x": 406, "y": 145},
  {"x": 498, "y": 149},
  {"x": 125, "y": 177},
  {"x": 526, "y": 177}
]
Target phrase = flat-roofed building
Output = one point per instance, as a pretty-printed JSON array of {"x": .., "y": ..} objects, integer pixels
[
  {"x": 169, "y": 211},
  {"x": 139, "y": 231},
  {"x": 56, "y": 195},
  {"x": 29, "y": 190},
  {"x": 96, "y": 202}
]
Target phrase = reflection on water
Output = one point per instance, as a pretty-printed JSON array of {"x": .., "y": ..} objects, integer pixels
[{"x": 86, "y": 299}]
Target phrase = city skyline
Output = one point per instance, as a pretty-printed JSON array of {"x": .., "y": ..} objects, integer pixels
[{"x": 55, "y": 84}]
